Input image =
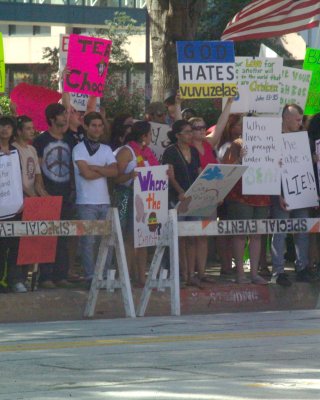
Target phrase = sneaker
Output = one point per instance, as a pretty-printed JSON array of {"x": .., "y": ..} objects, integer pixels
[
  {"x": 47, "y": 285},
  {"x": 264, "y": 271},
  {"x": 306, "y": 276},
  {"x": 258, "y": 280},
  {"x": 19, "y": 288},
  {"x": 282, "y": 280}
]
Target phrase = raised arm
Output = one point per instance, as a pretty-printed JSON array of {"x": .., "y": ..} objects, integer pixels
[{"x": 214, "y": 137}]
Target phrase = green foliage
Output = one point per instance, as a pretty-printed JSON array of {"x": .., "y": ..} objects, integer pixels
[
  {"x": 5, "y": 105},
  {"x": 51, "y": 55}
]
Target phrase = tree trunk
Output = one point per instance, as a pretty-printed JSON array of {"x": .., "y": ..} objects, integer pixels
[{"x": 170, "y": 21}]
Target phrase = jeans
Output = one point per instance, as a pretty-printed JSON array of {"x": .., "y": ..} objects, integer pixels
[
  {"x": 89, "y": 244},
  {"x": 301, "y": 240}
]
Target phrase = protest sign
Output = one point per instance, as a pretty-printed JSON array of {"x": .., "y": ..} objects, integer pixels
[
  {"x": 258, "y": 81},
  {"x": 32, "y": 100},
  {"x": 206, "y": 69},
  {"x": 294, "y": 86},
  {"x": 297, "y": 174},
  {"x": 262, "y": 141},
  {"x": 159, "y": 140},
  {"x": 2, "y": 67},
  {"x": 209, "y": 189},
  {"x": 312, "y": 63},
  {"x": 11, "y": 192},
  {"x": 88, "y": 60},
  {"x": 78, "y": 100},
  {"x": 150, "y": 204},
  {"x": 33, "y": 250}
]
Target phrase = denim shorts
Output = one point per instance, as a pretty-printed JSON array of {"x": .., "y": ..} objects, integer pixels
[{"x": 237, "y": 210}]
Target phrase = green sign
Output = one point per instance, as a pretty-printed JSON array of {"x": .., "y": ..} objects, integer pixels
[
  {"x": 312, "y": 63},
  {"x": 2, "y": 67}
]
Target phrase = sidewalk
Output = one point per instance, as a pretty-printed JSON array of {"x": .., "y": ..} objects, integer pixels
[{"x": 222, "y": 296}]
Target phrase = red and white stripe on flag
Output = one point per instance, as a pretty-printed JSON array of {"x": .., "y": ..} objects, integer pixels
[{"x": 271, "y": 18}]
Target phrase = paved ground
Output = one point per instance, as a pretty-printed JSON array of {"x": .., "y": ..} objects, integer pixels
[{"x": 271, "y": 355}]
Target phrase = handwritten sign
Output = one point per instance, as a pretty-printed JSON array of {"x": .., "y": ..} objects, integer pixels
[
  {"x": 258, "y": 81},
  {"x": 11, "y": 193},
  {"x": 88, "y": 60},
  {"x": 2, "y": 67},
  {"x": 312, "y": 63},
  {"x": 262, "y": 140},
  {"x": 209, "y": 189},
  {"x": 206, "y": 69},
  {"x": 294, "y": 86},
  {"x": 32, "y": 100},
  {"x": 298, "y": 181},
  {"x": 39, "y": 249},
  {"x": 159, "y": 140},
  {"x": 150, "y": 204},
  {"x": 78, "y": 100}
]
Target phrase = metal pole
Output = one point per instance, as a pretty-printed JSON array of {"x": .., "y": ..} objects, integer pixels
[{"x": 148, "y": 66}]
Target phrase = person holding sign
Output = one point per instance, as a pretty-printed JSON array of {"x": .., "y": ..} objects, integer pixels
[
  {"x": 292, "y": 116},
  {"x": 186, "y": 166},
  {"x": 10, "y": 192},
  {"x": 135, "y": 153},
  {"x": 240, "y": 207}
]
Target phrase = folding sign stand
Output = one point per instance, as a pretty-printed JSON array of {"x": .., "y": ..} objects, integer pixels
[
  {"x": 110, "y": 283},
  {"x": 169, "y": 238}
]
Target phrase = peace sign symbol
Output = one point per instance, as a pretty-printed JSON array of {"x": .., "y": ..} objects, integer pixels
[{"x": 57, "y": 161}]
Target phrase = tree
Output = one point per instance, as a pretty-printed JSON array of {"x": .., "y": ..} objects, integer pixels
[{"x": 170, "y": 21}]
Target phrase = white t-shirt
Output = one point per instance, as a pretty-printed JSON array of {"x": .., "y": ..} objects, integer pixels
[{"x": 92, "y": 191}]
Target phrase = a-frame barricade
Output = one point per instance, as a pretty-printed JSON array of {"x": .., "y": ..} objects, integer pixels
[
  {"x": 158, "y": 276},
  {"x": 110, "y": 282}
]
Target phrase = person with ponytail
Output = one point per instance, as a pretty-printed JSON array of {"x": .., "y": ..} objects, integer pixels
[{"x": 135, "y": 153}]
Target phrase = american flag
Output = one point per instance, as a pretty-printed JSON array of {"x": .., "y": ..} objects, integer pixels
[{"x": 271, "y": 18}]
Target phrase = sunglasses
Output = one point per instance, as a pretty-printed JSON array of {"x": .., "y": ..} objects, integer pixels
[{"x": 199, "y": 128}]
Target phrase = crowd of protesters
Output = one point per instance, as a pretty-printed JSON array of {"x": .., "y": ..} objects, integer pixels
[{"x": 91, "y": 164}]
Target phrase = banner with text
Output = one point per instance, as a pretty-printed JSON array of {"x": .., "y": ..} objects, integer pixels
[
  {"x": 88, "y": 60},
  {"x": 33, "y": 250},
  {"x": 294, "y": 86},
  {"x": 209, "y": 189},
  {"x": 258, "y": 81},
  {"x": 2, "y": 67},
  {"x": 312, "y": 63},
  {"x": 150, "y": 204},
  {"x": 206, "y": 69},
  {"x": 78, "y": 100},
  {"x": 11, "y": 193},
  {"x": 297, "y": 174},
  {"x": 262, "y": 141}
]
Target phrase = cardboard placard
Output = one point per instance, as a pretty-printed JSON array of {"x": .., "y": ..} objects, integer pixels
[
  {"x": 297, "y": 174},
  {"x": 312, "y": 63},
  {"x": 206, "y": 69},
  {"x": 294, "y": 87},
  {"x": 88, "y": 60},
  {"x": 150, "y": 204},
  {"x": 209, "y": 189},
  {"x": 159, "y": 141},
  {"x": 39, "y": 249},
  {"x": 11, "y": 192},
  {"x": 262, "y": 141}
]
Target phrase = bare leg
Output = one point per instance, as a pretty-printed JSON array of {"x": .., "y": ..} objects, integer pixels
[
  {"x": 238, "y": 244},
  {"x": 141, "y": 264},
  {"x": 201, "y": 254},
  {"x": 255, "y": 247},
  {"x": 224, "y": 247},
  {"x": 191, "y": 256},
  {"x": 183, "y": 265}
]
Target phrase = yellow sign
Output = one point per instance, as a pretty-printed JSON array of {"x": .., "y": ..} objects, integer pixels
[{"x": 2, "y": 67}]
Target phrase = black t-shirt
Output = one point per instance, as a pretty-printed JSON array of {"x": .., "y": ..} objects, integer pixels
[
  {"x": 56, "y": 164},
  {"x": 77, "y": 135},
  {"x": 185, "y": 173}
]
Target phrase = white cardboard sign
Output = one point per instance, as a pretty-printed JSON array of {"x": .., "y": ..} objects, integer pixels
[
  {"x": 159, "y": 140},
  {"x": 209, "y": 189},
  {"x": 11, "y": 192},
  {"x": 150, "y": 204},
  {"x": 297, "y": 174},
  {"x": 262, "y": 141}
]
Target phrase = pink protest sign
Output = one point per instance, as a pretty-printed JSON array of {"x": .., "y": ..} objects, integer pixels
[
  {"x": 88, "y": 60},
  {"x": 32, "y": 100}
]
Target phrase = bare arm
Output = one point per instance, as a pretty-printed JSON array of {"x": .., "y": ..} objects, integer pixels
[
  {"x": 86, "y": 171},
  {"x": 123, "y": 158},
  {"x": 214, "y": 137},
  {"x": 39, "y": 186}
]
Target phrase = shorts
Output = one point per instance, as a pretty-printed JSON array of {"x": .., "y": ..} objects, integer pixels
[{"x": 238, "y": 211}]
